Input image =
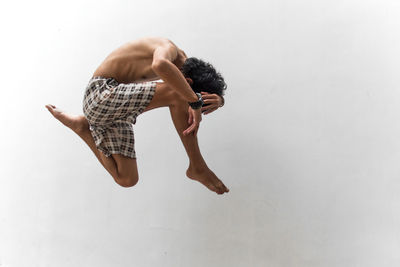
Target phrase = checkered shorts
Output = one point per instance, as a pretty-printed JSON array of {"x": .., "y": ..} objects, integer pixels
[{"x": 111, "y": 109}]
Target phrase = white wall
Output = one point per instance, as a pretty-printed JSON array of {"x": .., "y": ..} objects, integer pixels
[{"x": 308, "y": 141}]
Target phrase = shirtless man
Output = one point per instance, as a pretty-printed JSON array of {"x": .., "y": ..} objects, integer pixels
[{"x": 124, "y": 86}]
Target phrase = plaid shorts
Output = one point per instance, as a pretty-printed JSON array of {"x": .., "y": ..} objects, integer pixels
[{"x": 111, "y": 109}]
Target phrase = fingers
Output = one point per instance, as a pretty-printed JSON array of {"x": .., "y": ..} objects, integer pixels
[
  {"x": 209, "y": 97},
  {"x": 211, "y": 106},
  {"x": 190, "y": 119},
  {"x": 205, "y": 108},
  {"x": 188, "y": 130},
  {"x": 194, "y": 121},
  {"x": 212, "y": 99},
  {"x": 191, "y": 129},
  {"x": 211, "y": 102},
  {"x": 208, "y": 111}
]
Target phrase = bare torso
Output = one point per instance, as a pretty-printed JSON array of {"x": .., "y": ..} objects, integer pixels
[{"x": 132, "y": 61}]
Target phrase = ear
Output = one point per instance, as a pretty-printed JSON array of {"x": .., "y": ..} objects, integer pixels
[{"x": 190, "y": 81}]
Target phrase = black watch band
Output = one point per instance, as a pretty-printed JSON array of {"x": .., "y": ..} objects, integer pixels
[{"x": 198, "y": 104}]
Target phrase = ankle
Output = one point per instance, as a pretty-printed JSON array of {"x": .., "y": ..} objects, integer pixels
[{"x": 198, "y": 168}]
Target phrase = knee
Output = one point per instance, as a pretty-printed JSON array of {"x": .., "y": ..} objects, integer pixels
[{"x": 127, "y": 181}]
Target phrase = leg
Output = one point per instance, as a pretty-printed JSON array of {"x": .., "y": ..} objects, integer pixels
[
  {"x": 122, "y": 169},
  {"x": 198, "y": 169}
]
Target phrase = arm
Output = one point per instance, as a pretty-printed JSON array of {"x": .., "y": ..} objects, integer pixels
[{"x": 162, "y": 65}]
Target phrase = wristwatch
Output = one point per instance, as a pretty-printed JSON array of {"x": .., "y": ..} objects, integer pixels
[{"x": 198, "y": 104}]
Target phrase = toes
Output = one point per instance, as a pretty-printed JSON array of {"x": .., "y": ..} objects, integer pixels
[
  {"x": 220, "y": 191},
  {"x": 49, "y": 107},
  {"x": 222, "y": 188},
  {"x": 212, "y": 187},
  {"x": 226, "y": 189}
]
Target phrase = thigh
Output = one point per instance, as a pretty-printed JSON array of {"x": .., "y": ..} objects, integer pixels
[{"x": 127, "y": 101}]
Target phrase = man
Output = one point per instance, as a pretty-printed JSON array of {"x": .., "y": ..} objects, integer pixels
[{"x": 124, "y": 86}]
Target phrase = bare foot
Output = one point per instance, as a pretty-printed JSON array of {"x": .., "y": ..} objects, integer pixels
[
  {"x": 209, "y": 179},
  {"x": 74, "y": 122}
]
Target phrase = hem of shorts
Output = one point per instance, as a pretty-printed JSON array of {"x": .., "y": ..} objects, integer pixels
[{"x": 108, "y": 153}]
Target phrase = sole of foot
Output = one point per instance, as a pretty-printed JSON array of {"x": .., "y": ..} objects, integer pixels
[
  {"x": 209, "y": 180},
  {"x": 74, "y": 122}
]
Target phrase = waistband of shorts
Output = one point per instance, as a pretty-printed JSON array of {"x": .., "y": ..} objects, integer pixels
[{"x": 108, "y": 79}]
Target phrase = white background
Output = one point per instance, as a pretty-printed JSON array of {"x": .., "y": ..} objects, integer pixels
[{"x": 308, "y": 141}]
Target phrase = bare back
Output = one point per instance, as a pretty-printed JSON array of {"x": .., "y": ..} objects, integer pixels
[{"x": 132, "y": 62}]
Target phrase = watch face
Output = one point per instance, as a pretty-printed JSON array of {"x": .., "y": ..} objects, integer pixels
[{"x": 198, "y": 104}]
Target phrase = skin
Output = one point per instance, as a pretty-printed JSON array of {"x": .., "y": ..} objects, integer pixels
[
  {"x": 151, "y": 59},
  {"x": 130, "y": 63}
]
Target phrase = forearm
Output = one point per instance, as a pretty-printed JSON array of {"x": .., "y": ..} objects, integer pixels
[{"x": 171, "y": 75}]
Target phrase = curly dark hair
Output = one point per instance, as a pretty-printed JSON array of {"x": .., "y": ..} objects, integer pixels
[{"x": 205, "y": 77}]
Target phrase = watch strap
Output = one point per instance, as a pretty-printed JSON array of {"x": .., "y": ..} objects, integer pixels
[{"x": 197, "y": 104}]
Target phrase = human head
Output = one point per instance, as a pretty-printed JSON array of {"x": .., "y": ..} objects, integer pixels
[{"x": 204, "y": 77}]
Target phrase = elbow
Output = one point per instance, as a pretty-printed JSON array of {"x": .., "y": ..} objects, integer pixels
[{"x": 159, "y": 65}]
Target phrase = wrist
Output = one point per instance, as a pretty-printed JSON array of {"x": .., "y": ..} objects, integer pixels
[
  {"x": 198, "y": 103},
  {"x": 194, "y": 98}
]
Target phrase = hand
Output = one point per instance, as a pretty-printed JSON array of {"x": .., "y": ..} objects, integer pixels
[
  {"x": 194, "y": 121},
  {"x": 212, "y": 102}
]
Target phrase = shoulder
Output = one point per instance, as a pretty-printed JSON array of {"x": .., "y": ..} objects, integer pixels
[{"x": 154, "y": 41}]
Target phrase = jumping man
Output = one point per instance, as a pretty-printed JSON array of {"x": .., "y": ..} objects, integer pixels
[{"x": 124, "y": 86}]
